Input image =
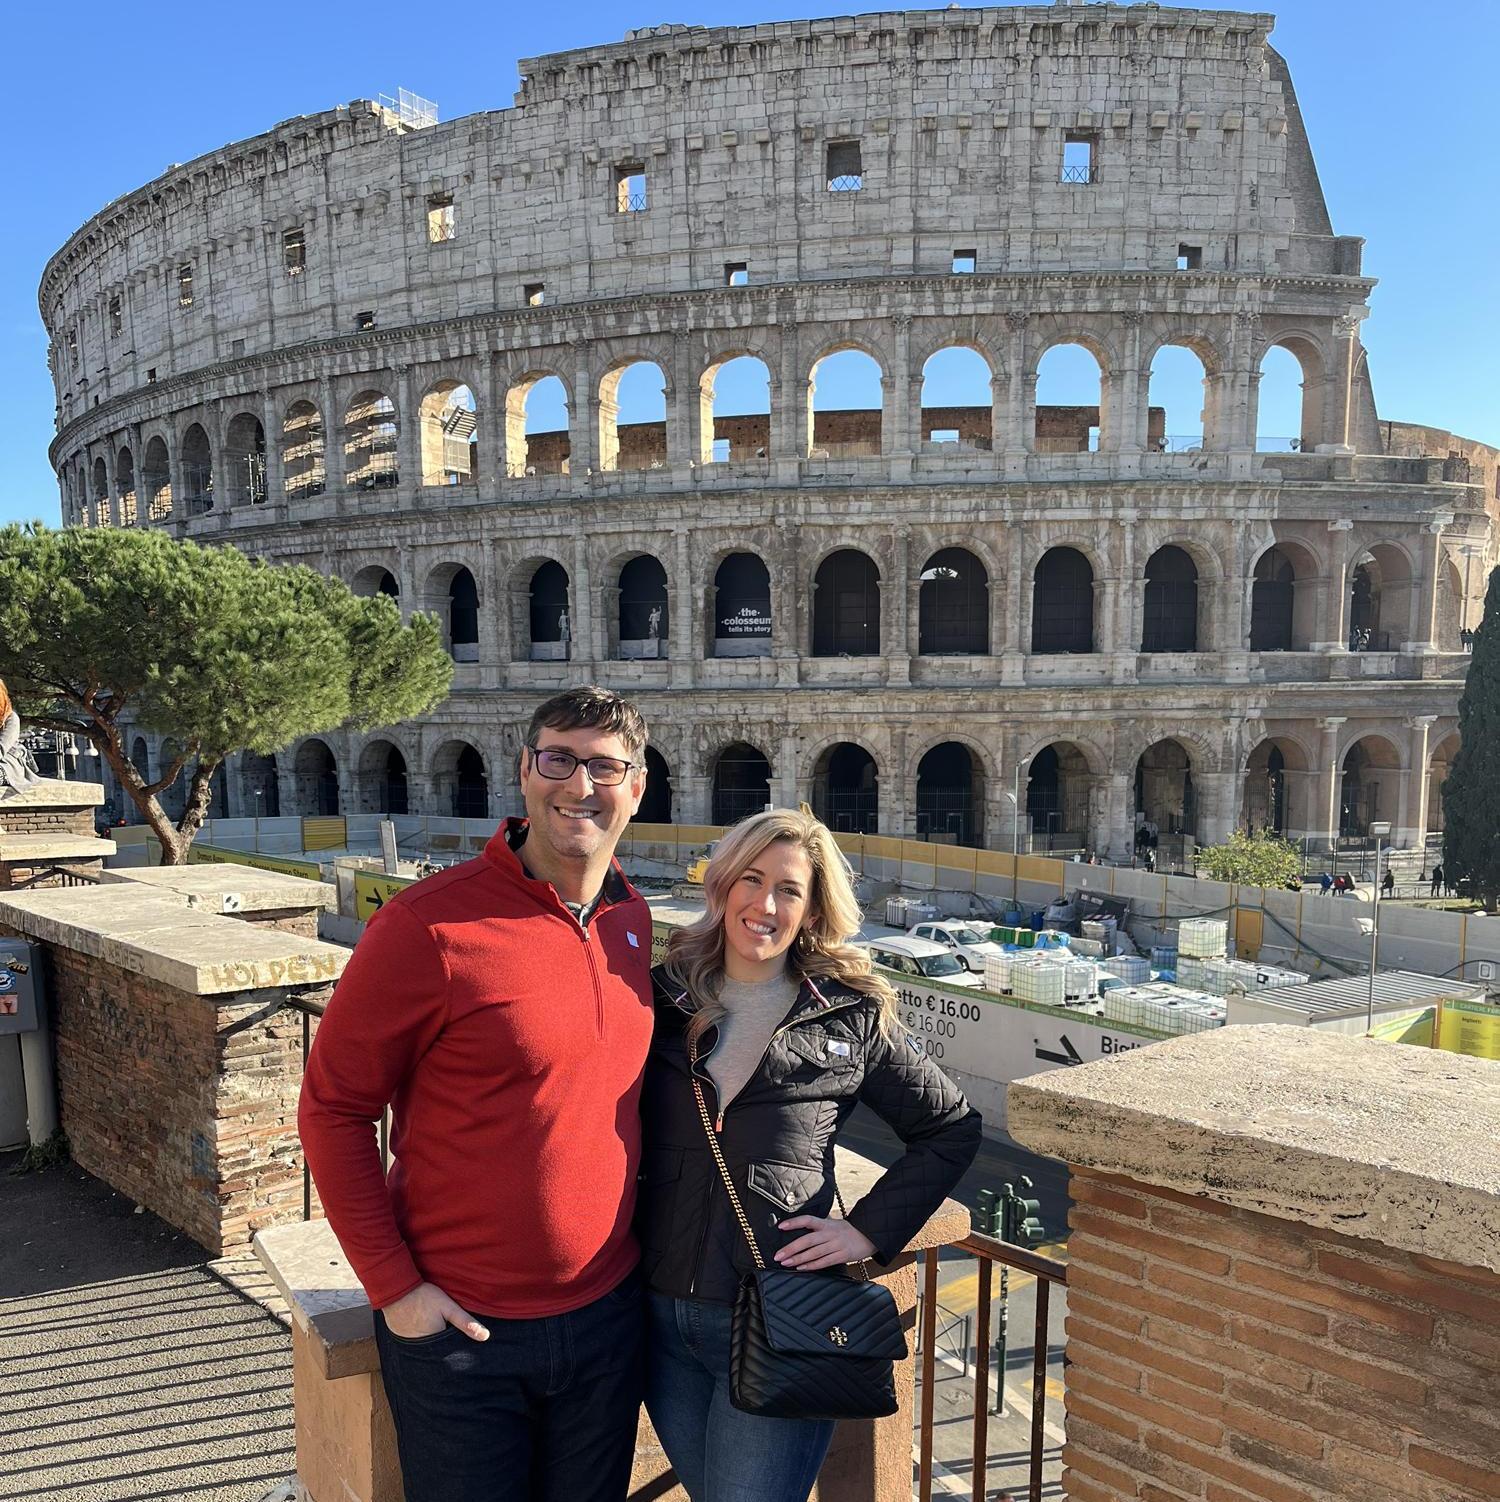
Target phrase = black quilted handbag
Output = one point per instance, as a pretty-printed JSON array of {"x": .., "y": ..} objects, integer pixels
[{"x": 808, "y": 1345}]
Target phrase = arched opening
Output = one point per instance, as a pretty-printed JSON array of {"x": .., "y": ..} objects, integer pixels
[
  {"x": 156, "y": 477},
  {"x": 1369, "y": 786},
  {"x": 742, "y": 607},
  {"x": 101, "y": 492},
  {"x": 741, "y": 783},
  {"x": 1170, "y": 616},
  {"x": 383, "y": 780},
  {"x": 262, "y": 790},
  {"x": 643, "y": 624},
  {"x": 460, "y": 784},
  {"x": 633, "y": 417},
  {"x": 1177, "y": 401},
  {"x": 1381, "y": 597},
  {"x": 551, "y": 621},
  {"x": 1069, "y": 401},
  {"x": 197, "y": 471},
  {"x": 1166, "y": 811},
  {"x": 317, "y": 775},
  {"x": 957, "y": 401},
  {"x": 125, "y": 486},
  {"x": 463, "y": 616},
  {"x": 303, "y": 452},
  {"x": 950, "y": 796},
  {"x": 846, "y": 606},
  {"x": 846, "y": 789},
  {"x": 844, "y": 400},
  {"x": 1275, "y": 789},
  {"x": 1451, "y": 616},
  {"x": 449, "y": 425},
  {"x": 245, "y": 460},
  {"x": 1288, "y": 407},
  {"x": 371, "y": 436},
  {"x": 537, "y": 439},
  {"x": 1062, "y": 603},
  {"x": 734, "y": 401},
  {"x": 1439, "y": 764},
  {"x": 218, "y": 794},
  {"x": 1283, "y": 600},
  {"x": 656, "y": 801},
  {"x": 1057, "y": 797},
  {"x": 953, "y": 605},
  {"x": 375, "y": 580}
]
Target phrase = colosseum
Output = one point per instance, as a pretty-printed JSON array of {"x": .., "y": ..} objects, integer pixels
[{"x": 399, "y": 351}]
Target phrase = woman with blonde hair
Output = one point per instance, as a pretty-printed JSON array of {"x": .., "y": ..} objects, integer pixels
[
  {"x": 770, "y": 1027},
  {"x": 17, "y": 769}
]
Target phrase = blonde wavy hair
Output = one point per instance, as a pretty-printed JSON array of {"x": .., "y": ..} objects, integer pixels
[{"x": 822, "y": 951}]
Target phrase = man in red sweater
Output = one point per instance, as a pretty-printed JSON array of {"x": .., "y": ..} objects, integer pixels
[{"x": 503, "y": 1010}]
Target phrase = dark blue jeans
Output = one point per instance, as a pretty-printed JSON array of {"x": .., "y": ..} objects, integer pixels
[
  {"x": 719, "y": 1453},
  {"x": 545, "y": 1410}
]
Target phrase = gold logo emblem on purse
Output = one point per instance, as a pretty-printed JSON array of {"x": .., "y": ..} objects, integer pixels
[{"x": 838, "y": 1337}]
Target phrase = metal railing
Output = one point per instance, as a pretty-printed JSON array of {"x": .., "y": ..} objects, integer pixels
[
  {"x": 60, "y": 876},
  {"x": 846, "y": 182},
  {"x": 987, "y": 1250},
  {"x": 1080, "y": 175}
]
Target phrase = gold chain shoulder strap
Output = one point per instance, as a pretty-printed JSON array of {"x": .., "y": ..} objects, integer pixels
[{"x": 718, "y": 1152}]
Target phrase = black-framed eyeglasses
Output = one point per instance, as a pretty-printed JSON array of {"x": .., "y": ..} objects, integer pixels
[{"x": 558, "y": 765}]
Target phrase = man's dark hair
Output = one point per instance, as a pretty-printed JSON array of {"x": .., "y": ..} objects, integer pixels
[{"x": 589, "y": 707}]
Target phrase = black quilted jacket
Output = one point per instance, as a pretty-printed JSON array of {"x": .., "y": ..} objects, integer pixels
[{"x": 777, "y": 1138}]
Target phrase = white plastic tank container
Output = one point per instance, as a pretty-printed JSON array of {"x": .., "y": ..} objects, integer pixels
[{"x": 1203, "y": 937}]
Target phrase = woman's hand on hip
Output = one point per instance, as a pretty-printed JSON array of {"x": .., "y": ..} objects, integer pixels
[{"x": 828, "y": 1243}]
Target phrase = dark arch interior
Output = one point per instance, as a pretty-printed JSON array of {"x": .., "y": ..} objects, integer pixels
[
  {"x": 846, "y": 606},
  {"x": 846, "y": 790},
  {"x": 471, "y": 787},
  {"x": 551, "y": 620},
  {"x": 742, "y": 607},
  {"x": 656, "y": 803},
  {"x": 950, "y": 798},
  {"x": 463, "y": 614},
  {"x": 742, "y": 783},
  {"x": 954, "y": 605},
  {"x": 1170, "y": 616},
  {"x": 1271, "y": 598},
  {"x": 392, "y": 792},
  {"x": 1062, "y": 610},
  {"x": 643, "y": 608}
]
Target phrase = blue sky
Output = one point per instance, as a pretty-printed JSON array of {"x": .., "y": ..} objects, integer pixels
[{"x": 1398, "y": 105}]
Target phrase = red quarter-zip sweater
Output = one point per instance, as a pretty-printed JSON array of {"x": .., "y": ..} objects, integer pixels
[{"x": 510, "y": 1044}]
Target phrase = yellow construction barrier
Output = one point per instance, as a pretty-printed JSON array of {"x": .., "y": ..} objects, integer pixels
[
  {"x": 204, "y": 855},
  {"x": 373, "y": 890},
  {"x": 327, "y": 833}
]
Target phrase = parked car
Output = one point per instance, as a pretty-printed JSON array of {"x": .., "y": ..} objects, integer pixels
[
  {"x": 921, "y": 959},
  {"x": 970, "y": 943}
]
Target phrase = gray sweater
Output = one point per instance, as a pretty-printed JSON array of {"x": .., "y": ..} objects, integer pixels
[{"x": 752, "y": 1014}]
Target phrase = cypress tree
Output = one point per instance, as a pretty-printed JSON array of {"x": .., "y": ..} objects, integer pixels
[{"x": 1471, "y": 794}]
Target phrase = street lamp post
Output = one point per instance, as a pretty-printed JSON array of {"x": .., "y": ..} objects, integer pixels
[{"x": 1381, "y": 830}]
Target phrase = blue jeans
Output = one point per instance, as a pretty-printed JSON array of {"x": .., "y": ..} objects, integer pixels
[
  {"x": 545, "y": 1410},
  {"x": 719, "y": 1453}
]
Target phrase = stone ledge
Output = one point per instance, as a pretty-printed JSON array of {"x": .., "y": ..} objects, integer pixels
[
  {"x": 1384, "y": 1141},
  {"x": 153, "y": 933},
  {"x": 53, "y": 792},
  {"x": 328, "y": 1304},
  {"x": 206, "y": 887},
  {"x": 38, "y": 849}
]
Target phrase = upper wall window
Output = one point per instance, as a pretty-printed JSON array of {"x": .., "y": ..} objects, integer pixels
[
  {"x": 1080, "y": 163},
  {"x": 964, "y": 262},
  {"x": 630, "y": 188},
  {"x": 440, "y": 222},
  {"x": 534, "y": 294},
  {"x": 185, "y": 285},
  {"x": 73, "y": 348},
  {"x": 1189, "y": 257},
  {"x": 845, "y": 172},
  {"x": 736, "y": 274},
  {"x": 116, "y": 315},
  {"x": 294, "y": 252}
]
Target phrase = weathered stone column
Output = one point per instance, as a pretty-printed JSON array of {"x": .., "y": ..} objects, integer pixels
[
  {"x": 1425, "y": 639},
  {"x": 1411, "y": 830},
  {"x": 409, "y": 433},
  {"x": 1325, "y": 820},
  {"x": 895, "y": 609},
  {"x": 1282, "y": 1284},
  {"x": 1333, "y": 616}
]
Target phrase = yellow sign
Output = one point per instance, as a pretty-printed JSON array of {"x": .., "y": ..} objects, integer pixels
[
  {"x": 1413, "y": 1027},
  {"x": 1469, "y": 1027},
  {"x": 207, "y": 855},
  {"x": 372, "y": 891}
]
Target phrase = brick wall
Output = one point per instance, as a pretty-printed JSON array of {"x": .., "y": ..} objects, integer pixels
[
  {"x": 157, "y": 1100},
  {"x": 1220, "y": 1355},
  {"x": 79, "y": 821}
]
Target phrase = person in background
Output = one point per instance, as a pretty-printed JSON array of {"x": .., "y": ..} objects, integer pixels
[
  {"x": 502, "y": 1008},
  {"x": 1437, "y": 881},
  {"x": 1325, "y": 883},
  {"x": 18, "y": 769},
  {"x": 1388, "y": 883},
  {"x": 783, "y": 1025}
]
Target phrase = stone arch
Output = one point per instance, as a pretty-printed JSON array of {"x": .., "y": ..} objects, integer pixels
[
  {"x": 372, "y": 433},
  {"x": 739, "y": 781},
  {"x": 382, "y": 778},
  {"x": 125, "y": 494},
  {"x": 375, "y": 579},
  {"x": 1276, "y": 787},
  {"x": 260, "y": 786},
  {"x": 957, "y": 405},
  {"x": 1168, "y": 428},
  {"x": 639, "y": 444},
  {"x": 846, "y": 788},
  {"x": 953, "y": 605},
  {"x": 197, "y": 466},
  {"x": 1072, "y": 426},
  {"x": 1055, "y": 799},
  {"x": 1307, "y": 352},
  {"x": 740, "y": 599},
  {"x": 1166, "y": 800},
  {"x": 460, "y": 780},
  {"x": 847, "y": 432},
  {"x": 452, "y": 594},
  {"x": 99, "y": 492},
  {"x": 1064, "y": 602},
  {"x": 950, "y": 788},
  {"x": 1370, "y": 771},
  {"x": 244, "y": 460},
  {"x": 656, "y": 801},
  {"x": 1284, "y": 598},
  {"x": 1439, "y": 765},
  {"x": 541, "y": 610},
  {"x": 1171, "y": 605},
  {"x": 640, "y": 623},
  {"x": 745, "y": 433},
  {"x": 448, "y": 422},
  {"x": 1384, "y": 597},
  {"x": 529, "y": 448},
  {"x": 316, "y": 770},
  {"x": 304, "y": 451},
  {"x": 846, "y": 605},
  {"x": 156, "y": 479}
]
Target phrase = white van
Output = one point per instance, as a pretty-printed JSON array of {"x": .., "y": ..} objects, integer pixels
[
  {"x": 970, "y": 942},
  {"x": 921, "y": 959}
]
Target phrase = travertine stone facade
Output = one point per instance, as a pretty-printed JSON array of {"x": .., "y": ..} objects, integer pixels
[{"x": 264, "y": 346}]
